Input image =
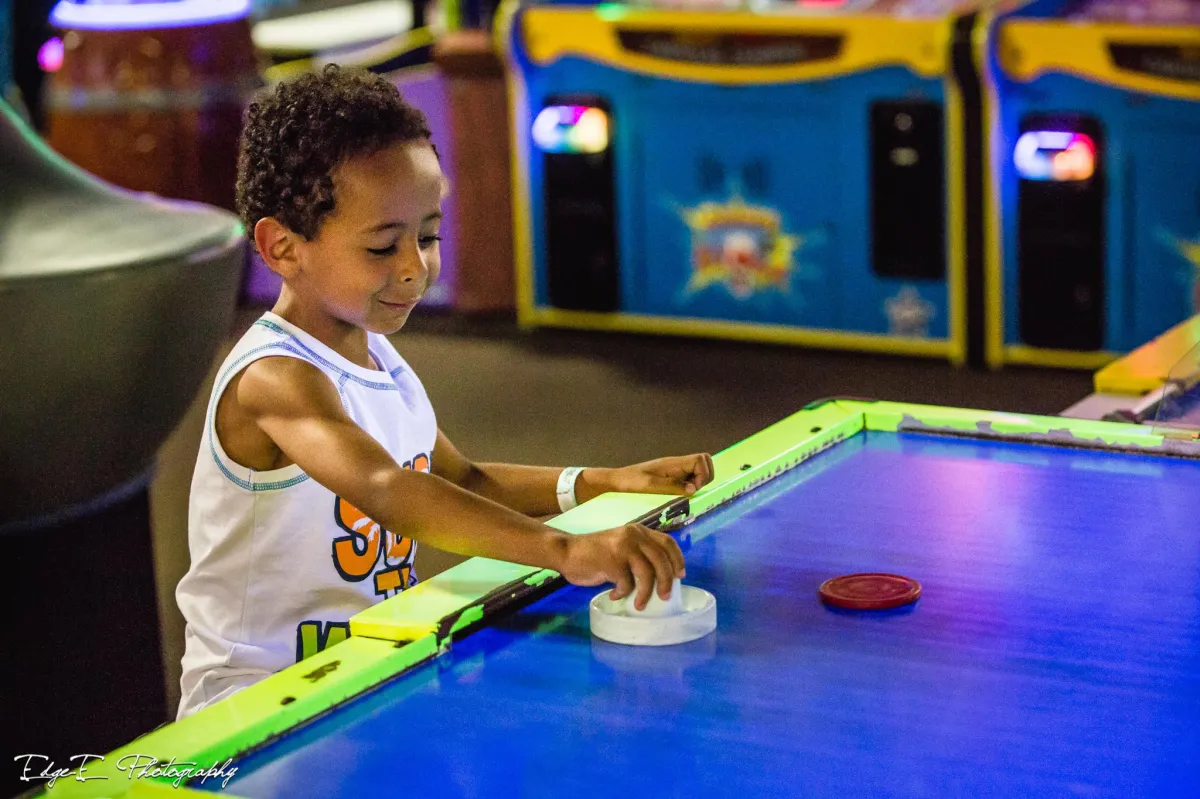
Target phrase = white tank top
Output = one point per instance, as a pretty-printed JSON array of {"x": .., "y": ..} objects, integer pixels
[{"x": 279, "y": 563}]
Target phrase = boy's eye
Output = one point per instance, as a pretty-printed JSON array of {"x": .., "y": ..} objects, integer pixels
[{"x": 388, "y": 250}]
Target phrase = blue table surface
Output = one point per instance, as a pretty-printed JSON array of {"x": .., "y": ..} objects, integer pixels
[{"x": 1055, "y": 651}]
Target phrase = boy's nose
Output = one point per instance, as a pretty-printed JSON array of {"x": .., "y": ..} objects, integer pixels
[{"x": 412, "y": 266}]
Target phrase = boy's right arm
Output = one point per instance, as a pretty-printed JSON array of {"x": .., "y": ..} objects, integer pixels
[{"x": 295, "y": 405}]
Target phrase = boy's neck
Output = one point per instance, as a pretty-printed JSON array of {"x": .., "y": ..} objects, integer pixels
[{"x": 347, "y": 340}]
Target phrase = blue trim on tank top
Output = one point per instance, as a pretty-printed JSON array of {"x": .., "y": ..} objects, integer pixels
[
  {"x": 308, "y": 352},
  {"x": 212, "y": 431},
  {"x": 341, "y": 388}
]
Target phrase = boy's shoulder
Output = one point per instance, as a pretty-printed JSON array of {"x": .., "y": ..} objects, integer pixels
[
  {"x": 253, "y": 362},
  {"x": 271, "y": 334},
  {"x": 259, "y": 338}
]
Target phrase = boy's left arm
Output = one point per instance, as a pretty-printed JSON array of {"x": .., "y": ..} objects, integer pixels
[{"x": 532, "y": 490}]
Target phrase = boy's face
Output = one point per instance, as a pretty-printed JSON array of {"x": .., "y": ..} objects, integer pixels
[{"x": 376, "y": 253}]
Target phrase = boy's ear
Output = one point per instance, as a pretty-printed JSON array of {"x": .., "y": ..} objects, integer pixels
[{"x": 277, "y": 244}]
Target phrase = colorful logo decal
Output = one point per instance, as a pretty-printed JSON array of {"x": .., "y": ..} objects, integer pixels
[
  {"x": 739, "y": 246},
  {"x": 908, "y": 313}
]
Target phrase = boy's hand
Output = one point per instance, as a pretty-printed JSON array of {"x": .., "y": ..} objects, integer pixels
[
  {"x": 680, "y": 476},
  {"x": 632, "y": 556}
]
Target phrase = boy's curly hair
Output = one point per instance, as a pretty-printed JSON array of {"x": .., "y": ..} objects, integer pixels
[{"x": 295, "y": 137}]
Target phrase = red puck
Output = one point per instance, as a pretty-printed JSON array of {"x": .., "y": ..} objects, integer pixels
[{"x": 869, "y": 591}]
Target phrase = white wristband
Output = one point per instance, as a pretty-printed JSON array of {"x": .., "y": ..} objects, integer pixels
[{"x": 566, "y": 487}]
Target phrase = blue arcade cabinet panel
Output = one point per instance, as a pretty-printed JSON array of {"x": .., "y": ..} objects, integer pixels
[
  {"x": 732, "y": 227},
  {"x": 760, "y": 212},
  {"x": 1097, "y": 162},
  {"x": 1164, "y": 161}
]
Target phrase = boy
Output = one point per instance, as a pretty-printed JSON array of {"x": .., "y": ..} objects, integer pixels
[{"x": 322, "y": 464}]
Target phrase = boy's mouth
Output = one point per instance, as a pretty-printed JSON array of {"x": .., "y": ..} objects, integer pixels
[{"x": 407, "y": 305}]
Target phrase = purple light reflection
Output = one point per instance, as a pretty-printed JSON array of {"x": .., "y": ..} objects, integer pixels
[{"x": 142, "y": 16}]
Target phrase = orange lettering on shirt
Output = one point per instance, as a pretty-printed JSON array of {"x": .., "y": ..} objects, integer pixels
[
  {"x": 387, "y": 581},
  {"x": 356, "y": 554},
  {"x": 399, "y": 547}
]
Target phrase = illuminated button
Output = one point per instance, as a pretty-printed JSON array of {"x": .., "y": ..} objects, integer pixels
[
  {"x": 576, "y": 129},
  {"x": 1055, "y": 155}
]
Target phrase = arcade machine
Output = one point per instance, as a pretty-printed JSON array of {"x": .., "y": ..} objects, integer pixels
[
  {"x": 1158, "y": 385},
  {"x": 785, "y": 171},
  {"x": 1094, "y": 160},
  {"x": 1132, "y": 387}
]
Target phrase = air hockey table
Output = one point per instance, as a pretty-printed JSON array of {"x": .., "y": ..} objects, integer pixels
[{"x": 1055, "y": 650}]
